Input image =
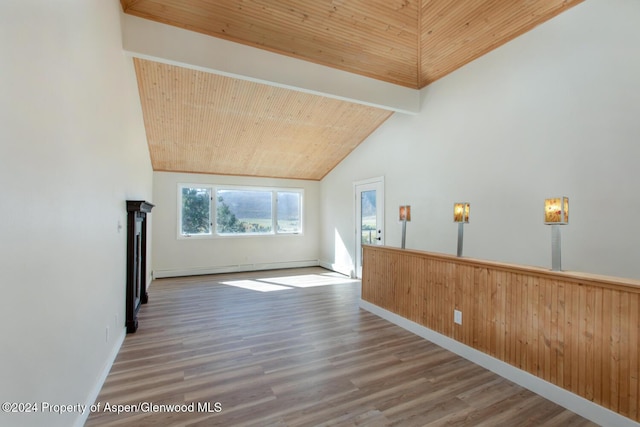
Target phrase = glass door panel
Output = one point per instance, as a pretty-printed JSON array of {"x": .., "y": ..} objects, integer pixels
[{"x": 369, "y": 217}]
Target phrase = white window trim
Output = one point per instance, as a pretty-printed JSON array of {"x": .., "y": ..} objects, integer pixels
[
  {"x": 179, "y": 215},
  {"x": 214, "y": 208}
]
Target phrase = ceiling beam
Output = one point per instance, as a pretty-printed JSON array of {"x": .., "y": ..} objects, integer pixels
[{"x": 154, "y": 41}]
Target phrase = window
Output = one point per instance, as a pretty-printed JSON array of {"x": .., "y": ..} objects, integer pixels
[
  {"x": 195, "y": 211},
  {"x": 244, "y": 211},
  {"x": 289, "y": 209},
  {"x": 238, "y": 211}
]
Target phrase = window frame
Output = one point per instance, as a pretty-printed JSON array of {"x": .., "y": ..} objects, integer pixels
[
  {"x": 300, "y": 192},
  {"x": 214, "y": 188},
  {"x": 179, "y": 207}
]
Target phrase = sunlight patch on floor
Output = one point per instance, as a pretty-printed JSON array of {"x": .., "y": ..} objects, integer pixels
[
  {"x": 310, "y": 280},
  {"x": 271, "y": 284},
  {"x": 255, "y": 285}
]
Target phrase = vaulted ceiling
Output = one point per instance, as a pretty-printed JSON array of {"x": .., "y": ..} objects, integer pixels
[{"x": 203, "y": 122}]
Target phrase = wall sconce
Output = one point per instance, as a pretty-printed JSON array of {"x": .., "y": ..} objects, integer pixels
[
  {"x": 404, "y": 216},
  {"x": 556, "y": 213},
  {"x": 461, "y": 216}
]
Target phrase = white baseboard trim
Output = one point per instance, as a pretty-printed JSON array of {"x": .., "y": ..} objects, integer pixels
[
  {"x": 196, "y": 271},
  {"x": 347, "y": 270},
  {"x": 106, "y": 368},
  {"x": 562, "y": 397}
]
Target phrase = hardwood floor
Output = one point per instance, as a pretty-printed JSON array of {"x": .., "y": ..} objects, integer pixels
[{"x": 292, "y": 348}]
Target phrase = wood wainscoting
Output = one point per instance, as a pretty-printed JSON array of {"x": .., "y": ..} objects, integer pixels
[{"x": 577, "y": 331}]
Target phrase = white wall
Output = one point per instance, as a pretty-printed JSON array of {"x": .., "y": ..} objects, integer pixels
[
  {"x": 72, "y": 150},
  {"x": 177, "y": 257},
  {"x": 554, "y": 112}
]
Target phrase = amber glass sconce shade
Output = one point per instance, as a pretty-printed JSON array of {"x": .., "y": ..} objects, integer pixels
[
  {"x": 556, "y": 211},
  {"x": 461, "y": 212},
  {"x": 405, "y": 213}
]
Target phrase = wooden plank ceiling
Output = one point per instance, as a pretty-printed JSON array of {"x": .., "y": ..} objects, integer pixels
[
  {"x": 201, "y": 122},
  {"x": 207, "y": 123}
]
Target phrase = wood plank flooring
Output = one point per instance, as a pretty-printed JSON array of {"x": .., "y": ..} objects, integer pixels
[{"x": 292, "y": 348}]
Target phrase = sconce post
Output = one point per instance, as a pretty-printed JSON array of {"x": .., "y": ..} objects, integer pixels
[
  {"x": 461, "y": 216},
  {"x": 556, "y": 213},
  {"x": 556, "y": 244},
  {"x": 404, "y": 215},
  {"x": 460, "y": 237}
]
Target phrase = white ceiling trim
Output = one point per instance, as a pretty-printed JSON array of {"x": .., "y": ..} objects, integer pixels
[{"x": 158, "y": 42}]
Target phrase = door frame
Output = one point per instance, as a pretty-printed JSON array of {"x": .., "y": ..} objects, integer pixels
[{"x": 376, "y": 183}]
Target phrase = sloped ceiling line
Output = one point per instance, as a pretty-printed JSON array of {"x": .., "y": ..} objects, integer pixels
[{"x": 362, "y": 60}]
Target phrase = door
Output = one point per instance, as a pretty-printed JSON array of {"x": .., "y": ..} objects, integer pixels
[{"x": 369, "y": 207}]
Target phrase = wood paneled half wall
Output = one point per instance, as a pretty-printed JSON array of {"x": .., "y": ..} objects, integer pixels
[{"x": 577, "y": 331}]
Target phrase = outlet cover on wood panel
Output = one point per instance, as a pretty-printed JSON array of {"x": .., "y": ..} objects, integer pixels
[{"x": 457, "y": 317}]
